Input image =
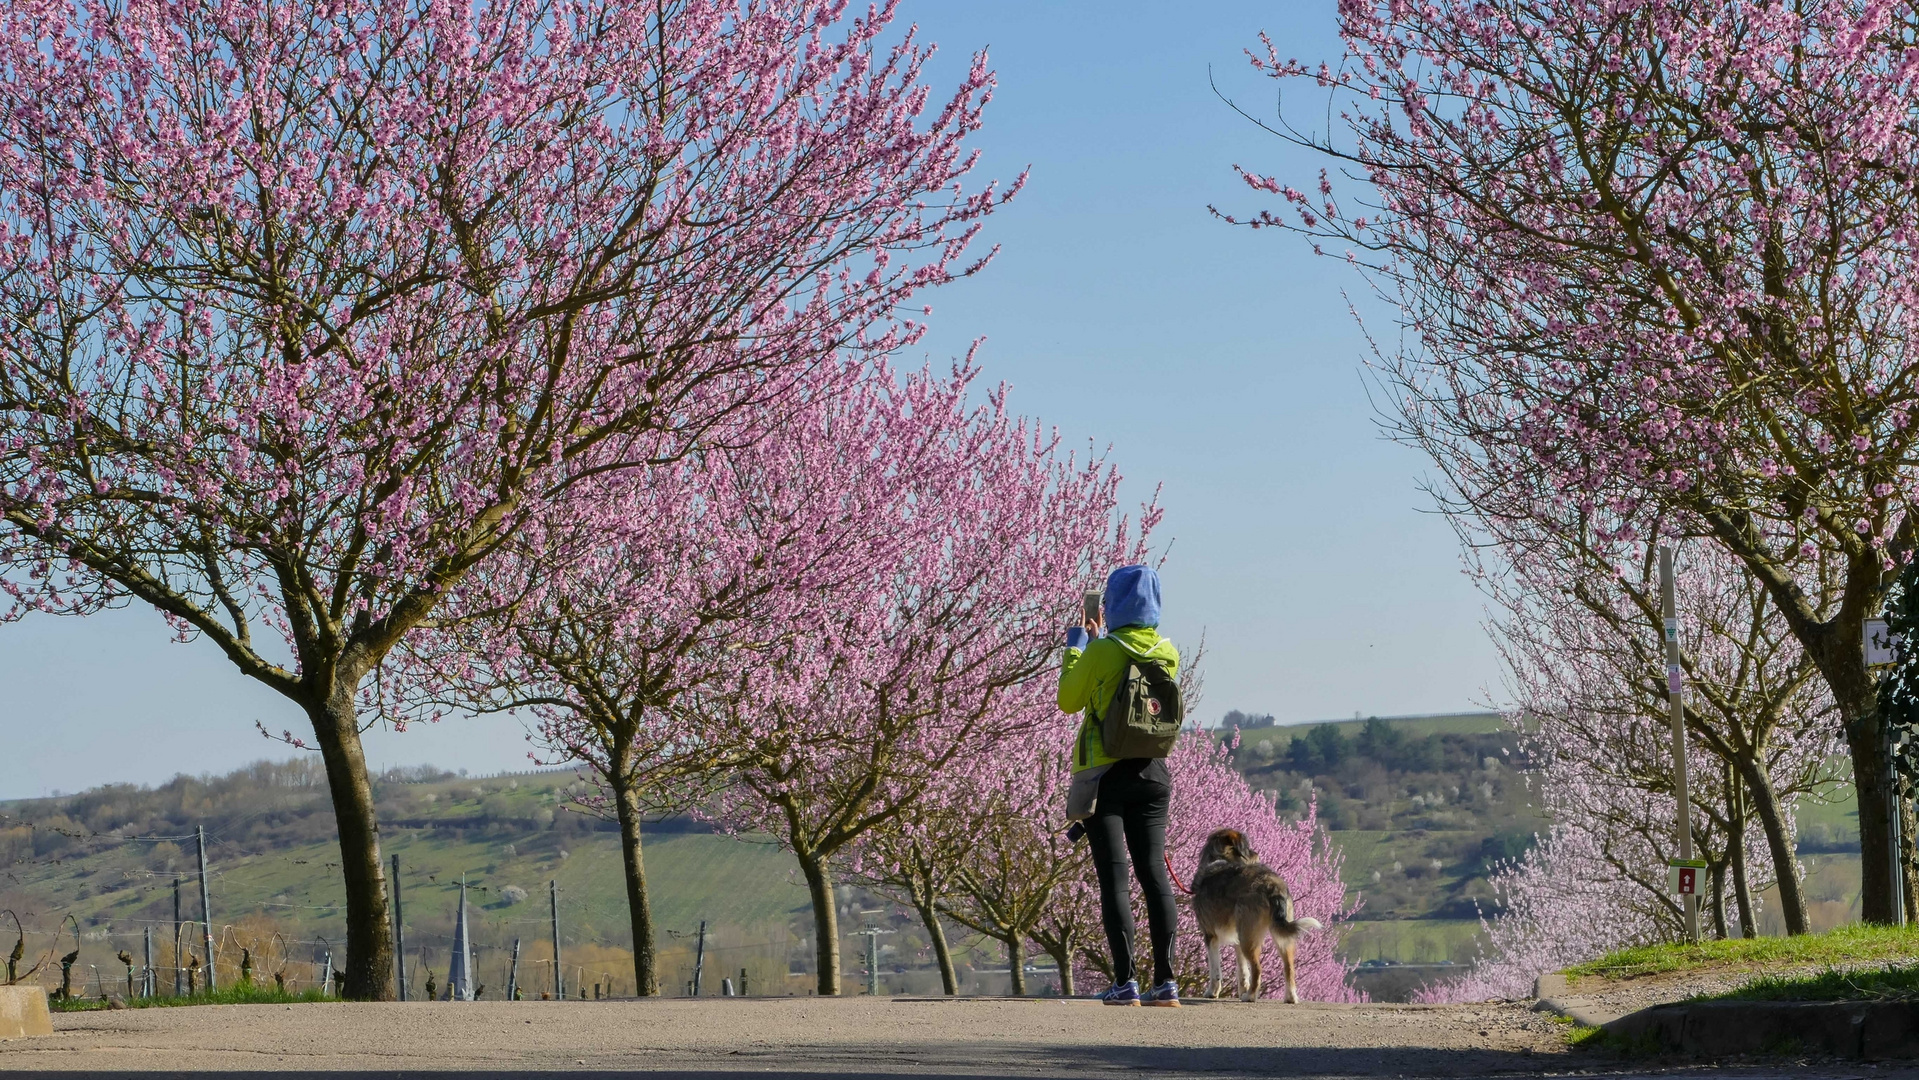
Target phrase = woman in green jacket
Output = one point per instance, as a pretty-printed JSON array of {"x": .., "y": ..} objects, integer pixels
[{"x": 1134, "y": 793}]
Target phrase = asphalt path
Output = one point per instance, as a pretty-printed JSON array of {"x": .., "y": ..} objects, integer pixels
[{"x": 858, "y": 1037}]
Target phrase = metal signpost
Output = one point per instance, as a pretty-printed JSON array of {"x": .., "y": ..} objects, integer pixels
[{"x": 1685, "y": 866}]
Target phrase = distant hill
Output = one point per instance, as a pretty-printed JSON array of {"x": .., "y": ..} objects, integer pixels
[{"x": 276, "y": 888}]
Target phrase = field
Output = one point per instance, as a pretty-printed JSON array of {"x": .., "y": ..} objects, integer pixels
[{"x": 276, "y": 891}]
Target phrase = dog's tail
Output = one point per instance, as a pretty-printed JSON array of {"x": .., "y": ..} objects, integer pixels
[{"x": 1283, "y": 914}]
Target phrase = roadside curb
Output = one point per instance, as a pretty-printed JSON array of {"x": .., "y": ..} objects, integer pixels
[
  {"x": 1556, "y": 997},
  {"x": 1864, "y": 1030}
]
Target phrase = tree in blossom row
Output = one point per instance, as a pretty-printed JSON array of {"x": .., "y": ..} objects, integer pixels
[
  {"x": 1651, "y": 261},
  {"x": 804, "y": 634},
  {"x": 310, "y": 308}
]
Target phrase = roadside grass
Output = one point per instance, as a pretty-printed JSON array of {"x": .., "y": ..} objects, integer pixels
[
  {"x": 1891, "y": 983},
  {"x": 1854, "y": 944},
  {"x": 232, "y": 995}
]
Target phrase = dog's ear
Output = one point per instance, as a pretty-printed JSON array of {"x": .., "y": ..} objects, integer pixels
[{"x": 1241, "y": 848}]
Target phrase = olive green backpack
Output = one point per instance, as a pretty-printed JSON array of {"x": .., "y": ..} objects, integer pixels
[{"x": 1143, "y": 719}]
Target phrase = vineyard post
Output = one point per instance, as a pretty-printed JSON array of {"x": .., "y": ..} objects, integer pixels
[{"x": 513, "y": 972}]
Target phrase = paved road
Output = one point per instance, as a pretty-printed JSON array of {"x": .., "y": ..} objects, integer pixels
[{"x": 717, "y": 1039}]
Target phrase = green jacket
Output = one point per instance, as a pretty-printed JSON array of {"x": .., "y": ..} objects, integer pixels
[{"x": 1088, "y": 678}]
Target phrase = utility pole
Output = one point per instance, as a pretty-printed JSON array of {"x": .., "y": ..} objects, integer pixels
[
  {"x": 513, "y": 972},
  {"x": 872, "y": 958},
  {"x": 559, "y": 981},
  {"x": 206, "y": 903},
  {"x": 146, "y": 981},
  {"x": 399, "y": 933},
  {"x": 699, "y": 959},
  {"x": 1676, "y": 696},
  {"x": 179, "y": 935}
]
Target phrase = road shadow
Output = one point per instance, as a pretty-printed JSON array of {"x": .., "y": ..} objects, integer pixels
[{"x": 896, "y": 1063}]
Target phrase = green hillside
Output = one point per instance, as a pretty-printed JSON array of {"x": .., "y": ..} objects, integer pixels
[{"x": 275, "y": 886}]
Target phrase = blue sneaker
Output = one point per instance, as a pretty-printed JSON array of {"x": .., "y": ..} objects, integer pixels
[
  {"x": 1166, "y": 995},
  {"x": 1126, "y": 993}
]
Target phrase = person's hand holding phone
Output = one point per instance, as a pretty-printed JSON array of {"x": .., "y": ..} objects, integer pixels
[{"x": 1078, "y": 637}]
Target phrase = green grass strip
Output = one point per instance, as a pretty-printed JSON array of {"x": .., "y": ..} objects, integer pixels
[
  {"x": 232, "y": 995},
  {"x": 1857, "y": 944},
  {"x": 1899, "y": 983}
]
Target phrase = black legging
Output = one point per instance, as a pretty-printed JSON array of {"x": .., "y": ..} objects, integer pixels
[{"x": 1133, "y": 806}]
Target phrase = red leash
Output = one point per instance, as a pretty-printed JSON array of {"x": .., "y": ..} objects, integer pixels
[{"x": 1169, "y": 873}]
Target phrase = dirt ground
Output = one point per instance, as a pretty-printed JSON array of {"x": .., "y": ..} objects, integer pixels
[{"x": 852, "y": 1037}]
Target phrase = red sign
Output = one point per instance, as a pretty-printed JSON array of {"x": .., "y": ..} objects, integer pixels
[{"x": 1688, "y": 881}]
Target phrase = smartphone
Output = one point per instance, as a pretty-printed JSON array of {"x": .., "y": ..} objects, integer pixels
[{"x": 1089, "y": 603}]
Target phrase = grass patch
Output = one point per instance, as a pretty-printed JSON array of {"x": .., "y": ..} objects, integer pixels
[
  {"x": 1894, "y": 983},
  {"x": 233, "y": 995},
  {"x": 1855, "y": 944}
]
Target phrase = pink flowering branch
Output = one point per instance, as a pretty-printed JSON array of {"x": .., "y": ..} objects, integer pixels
[{"x": 1651, "y": 262}]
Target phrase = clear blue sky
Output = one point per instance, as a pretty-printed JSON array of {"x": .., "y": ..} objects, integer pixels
[{"x": 1218, "y": 361}]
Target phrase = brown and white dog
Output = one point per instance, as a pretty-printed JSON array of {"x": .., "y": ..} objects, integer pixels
[{"x": 1239, "y": 901}]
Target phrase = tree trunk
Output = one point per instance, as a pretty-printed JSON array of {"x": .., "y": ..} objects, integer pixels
[
  {"x": 646, "y": 979},
  {"x": 368, "y": 968},
  {"x": 1061, "y": 950},
  {"x": 942, "y": 951},
  {"x": 1741, "y": 887},
  {"x": 1016, "y": 963},
  {"x": 826, "y": 923},
  {"x": 1785, "y": 865},
  {"x": 1909, "y": 869},
  {"x": 1718, "y": 872},
  {"x": 1875, "y": 808},
  {"x": 1742, "y": 895},
  {"x": 1839, "y": 653}
]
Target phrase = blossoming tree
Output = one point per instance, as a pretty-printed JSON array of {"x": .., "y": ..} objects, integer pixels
[
  {"x": 608, "y": 623},
  {"x": 307, "y": 307},
  {"x": 927, "y": 657},
  {"x": 1579, "y": 627},
  {"x": 1653, "y": 253}
]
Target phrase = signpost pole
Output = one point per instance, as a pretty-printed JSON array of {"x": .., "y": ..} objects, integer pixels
[{"x": 1675, "y": 695}]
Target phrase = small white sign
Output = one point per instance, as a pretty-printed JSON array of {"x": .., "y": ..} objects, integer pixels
[
  {"x": 1682, "y": 876},
  {"x": 1882, "y": 645}
]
